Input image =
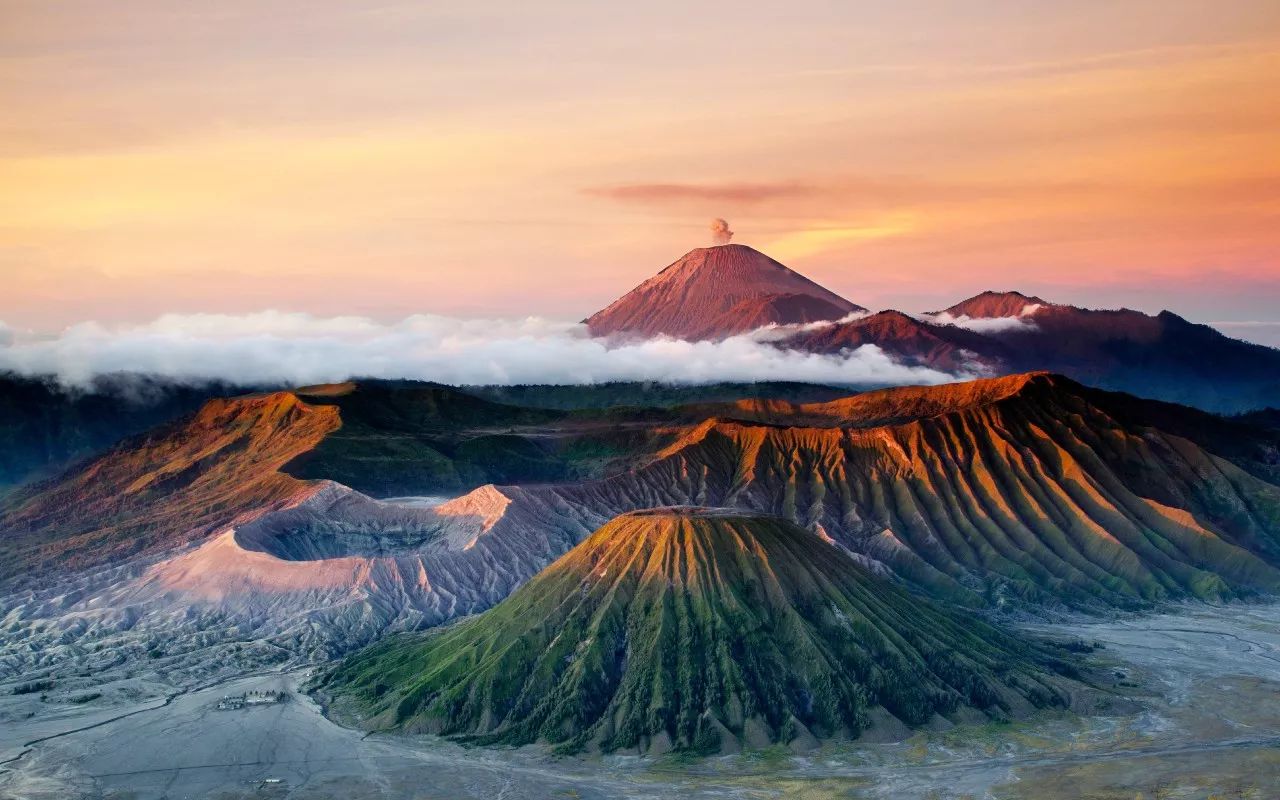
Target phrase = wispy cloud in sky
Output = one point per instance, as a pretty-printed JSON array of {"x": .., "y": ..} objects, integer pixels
[
  {"x": 664, "y": 194},
  {"x": 174, "y": 156}
]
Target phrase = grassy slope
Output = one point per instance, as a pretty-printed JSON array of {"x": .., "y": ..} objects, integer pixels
[
  {"x": 652, "y": 395},
  {"x": 682, "y": 628},
  {"x": 404, "y": 437},
  {"x": 398, "y": 438}
]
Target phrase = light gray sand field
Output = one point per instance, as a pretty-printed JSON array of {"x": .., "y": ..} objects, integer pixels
[{"x": 1208, "y": 724}]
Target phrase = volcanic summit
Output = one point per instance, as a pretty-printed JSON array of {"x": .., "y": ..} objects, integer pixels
[
  {"x": 715, "y": 292},
  {"x": 990, "y": 305}
]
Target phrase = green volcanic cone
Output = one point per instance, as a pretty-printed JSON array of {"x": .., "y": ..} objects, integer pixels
[{"x": 695, "y": 629}]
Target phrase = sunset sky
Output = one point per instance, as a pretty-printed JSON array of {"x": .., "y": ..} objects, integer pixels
[{"x": 500, "y": 159}]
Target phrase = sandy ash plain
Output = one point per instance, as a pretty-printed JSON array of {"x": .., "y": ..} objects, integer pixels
[{"x": 135, "y": 714}]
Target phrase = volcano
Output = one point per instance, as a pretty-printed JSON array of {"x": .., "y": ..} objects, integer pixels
[
  {"x": 992, "y": 305},
  {"x": 695, "y": 629},
  {"x": 715, "y": 292}
]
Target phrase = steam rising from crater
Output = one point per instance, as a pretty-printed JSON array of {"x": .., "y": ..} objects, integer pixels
[{"x": 720, "y": 233}]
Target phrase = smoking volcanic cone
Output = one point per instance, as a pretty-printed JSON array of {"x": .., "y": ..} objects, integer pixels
[
  {"x": 715, "y": 292},
  {"x": 698, "y": 629}
]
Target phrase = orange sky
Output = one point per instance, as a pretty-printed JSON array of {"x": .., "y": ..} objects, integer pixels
[{"x": 501, "y": 158}]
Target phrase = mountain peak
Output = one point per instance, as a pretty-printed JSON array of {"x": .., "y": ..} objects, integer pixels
[
  {"x": 714, "y": 292},
  {"x": 992, "y": 304},
  {"x": 893, "y": 315}
]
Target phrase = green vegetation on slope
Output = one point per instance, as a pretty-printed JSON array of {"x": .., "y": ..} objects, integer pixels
[
  {"x": 652, "y": 395},
  {"x": 407, "y": 437},
  {"x": 694, "y": 629}
]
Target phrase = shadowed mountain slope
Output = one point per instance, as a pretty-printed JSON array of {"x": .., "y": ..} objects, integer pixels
[
  {"x": 166, "y": 488},
  {"x": 401, "y": 438},
  {"x": 647, "y": 394},
  {"x": 911, "y": 341},
  {"x": 1163, "y": 356},
  {"x": 714, "y": 292},
  {"x": 694, "y": 629},
  {"x": 45, "y": 425}
]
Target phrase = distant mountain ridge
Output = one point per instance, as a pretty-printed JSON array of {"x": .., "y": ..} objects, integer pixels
[
  {"x": 1163, "y": 357},
  {"x": 717, "y": 292}
]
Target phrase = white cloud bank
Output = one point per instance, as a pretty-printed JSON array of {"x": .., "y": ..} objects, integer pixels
[{"x": 273, "y": 347}]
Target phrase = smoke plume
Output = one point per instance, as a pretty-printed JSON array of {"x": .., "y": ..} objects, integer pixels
[{"x": 720, "y": 233}]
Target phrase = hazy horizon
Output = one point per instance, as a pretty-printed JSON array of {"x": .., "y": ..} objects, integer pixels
[
  {"x": 480, "y": 160},
  {"x": 1265, "y": 332}
]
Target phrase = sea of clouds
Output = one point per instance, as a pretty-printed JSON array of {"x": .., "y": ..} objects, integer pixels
[{"x": 295, "y": 348}]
